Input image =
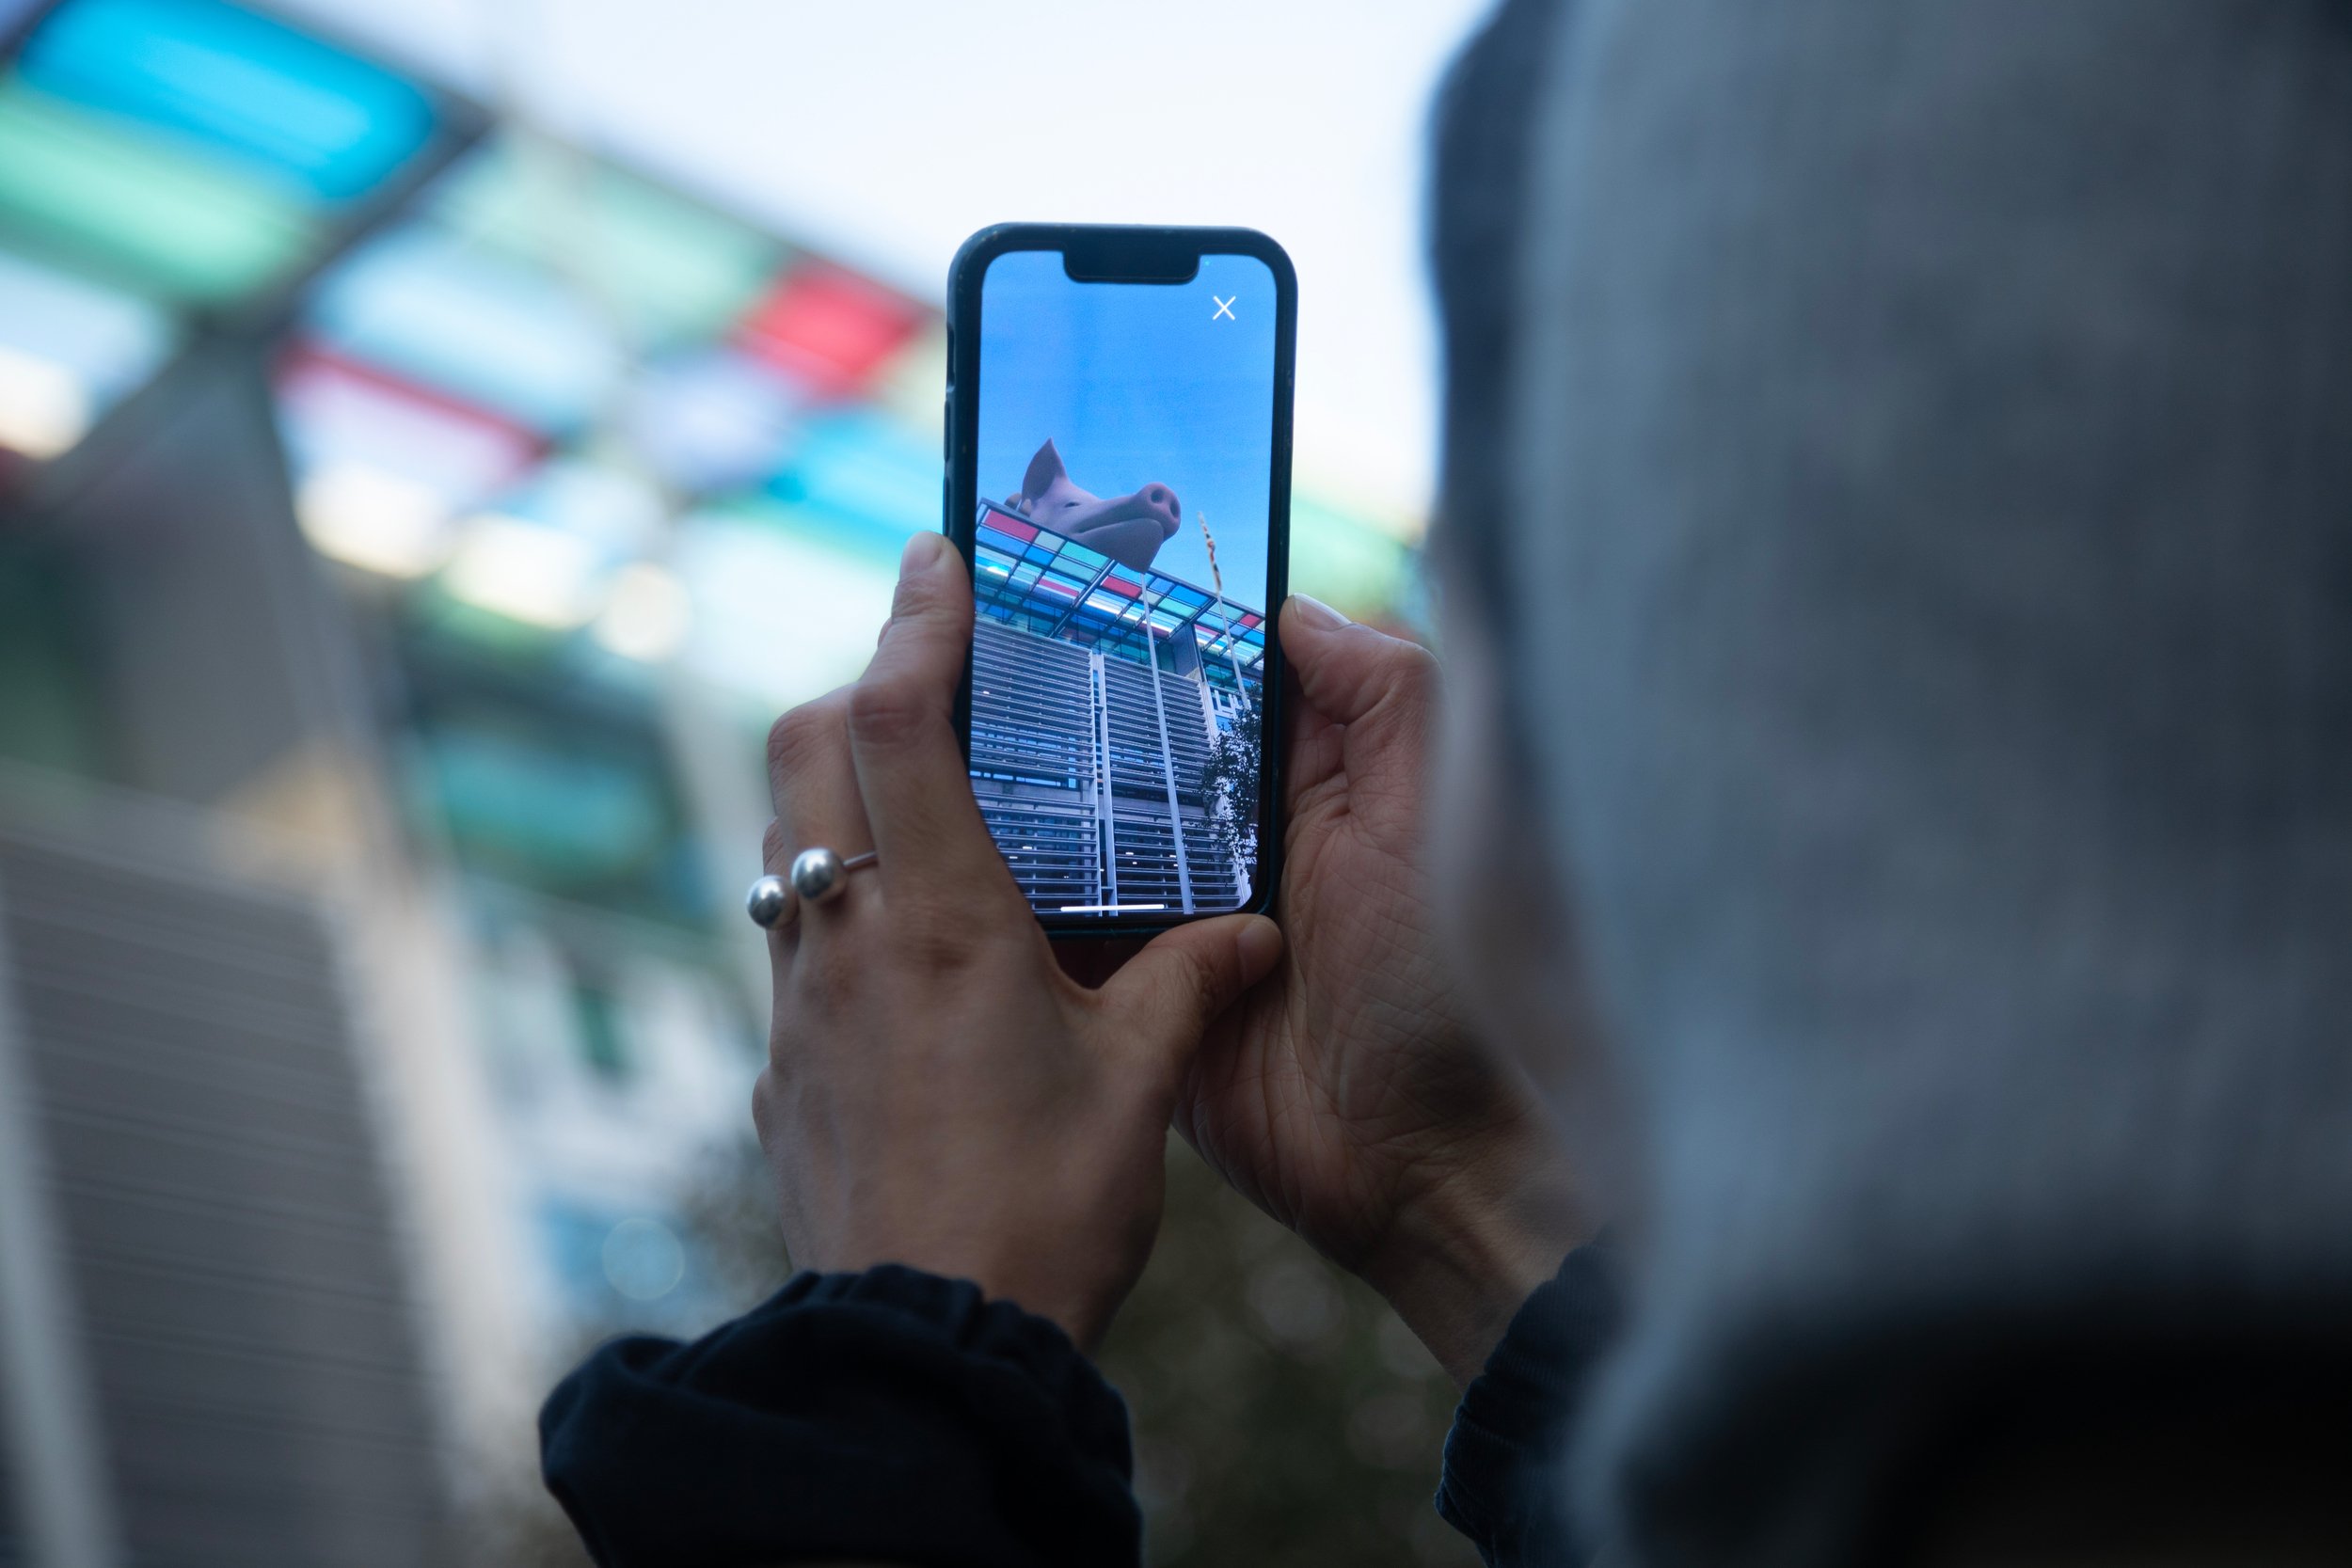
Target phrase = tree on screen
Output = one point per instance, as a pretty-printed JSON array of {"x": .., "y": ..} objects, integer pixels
[{"x": 1229, "y": 790}]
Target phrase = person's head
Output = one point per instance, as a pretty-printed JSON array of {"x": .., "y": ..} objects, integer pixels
[
  {"x": 1899, "y": 590},
  {"x": 1507, "y": 922}
]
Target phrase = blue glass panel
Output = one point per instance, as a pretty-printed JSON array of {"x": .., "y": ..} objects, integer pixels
[
  {"x": 865, "y": 466},
  {"x": 249, "y": 88},
  {"x": 110, "y": 342},
  {"x": 491, "y": 331}
]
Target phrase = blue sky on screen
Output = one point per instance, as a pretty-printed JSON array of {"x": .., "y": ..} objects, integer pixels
[{"x": 1136, "y": 385}]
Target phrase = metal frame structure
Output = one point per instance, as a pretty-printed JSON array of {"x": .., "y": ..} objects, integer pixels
[{"x": 1098, "y": 693}]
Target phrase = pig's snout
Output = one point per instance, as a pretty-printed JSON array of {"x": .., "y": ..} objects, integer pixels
[{"x": 1160, "y": 501}]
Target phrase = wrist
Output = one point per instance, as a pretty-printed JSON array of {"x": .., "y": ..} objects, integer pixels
[{"x": 1460, "y": 1258}]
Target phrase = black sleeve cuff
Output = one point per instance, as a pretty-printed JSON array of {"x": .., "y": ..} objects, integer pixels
[
  {"x": 1502, "y": 1481},
  {"x": 887, "y": 1416}
]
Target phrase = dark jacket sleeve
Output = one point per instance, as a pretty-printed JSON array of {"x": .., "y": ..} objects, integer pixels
[
  {"x": 1503, "y": 1483},
  {"x": 888, "y": 1417}
]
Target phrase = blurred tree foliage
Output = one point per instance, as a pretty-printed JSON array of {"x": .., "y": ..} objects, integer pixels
[{"x": 1282, "y": 1415}]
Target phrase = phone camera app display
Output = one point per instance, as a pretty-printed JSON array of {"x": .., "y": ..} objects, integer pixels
[{"x": 1126, "y": 460}]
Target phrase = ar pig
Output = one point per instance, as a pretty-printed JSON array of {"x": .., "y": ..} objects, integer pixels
[{"x": 1129, "y": 528}]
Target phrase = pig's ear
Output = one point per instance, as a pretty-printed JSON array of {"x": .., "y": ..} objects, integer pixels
[{"x": 1044, "y": 468}]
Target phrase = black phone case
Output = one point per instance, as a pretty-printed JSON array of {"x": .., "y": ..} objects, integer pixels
[{"x": 1142, "y": 254}]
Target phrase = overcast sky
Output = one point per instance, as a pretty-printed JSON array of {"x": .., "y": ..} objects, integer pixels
[{"x": 887, "y": 130}]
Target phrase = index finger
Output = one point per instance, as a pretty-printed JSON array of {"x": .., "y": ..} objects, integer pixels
[{"x": 902, "y": 736}]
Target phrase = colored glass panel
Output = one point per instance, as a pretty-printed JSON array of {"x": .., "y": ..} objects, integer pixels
[
  {"x": 864, "y": 468},
  {"x": 674, "y": 270},
  {"x": 110, "y": 341},
  {"x": 994, "y": 540},
  {"x": 553, "y": 817},
  {"x": 102, "y": 198},
  {"x": 830, "y": 328},
  {"x": 711, "y": 420},
  {"x": 235, "y": 87},
  {"x": 337, "y": 412},
  {"x": 482, "y": 327}
]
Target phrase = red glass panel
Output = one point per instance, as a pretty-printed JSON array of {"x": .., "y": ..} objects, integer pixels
[{"x": 829, "y": 328}]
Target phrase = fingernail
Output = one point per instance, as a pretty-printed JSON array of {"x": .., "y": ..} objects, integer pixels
[
  {"x": 1318, "y": 615},
  {"x": 922, "y": 551},
  {"x": 1261, "y": 945}
]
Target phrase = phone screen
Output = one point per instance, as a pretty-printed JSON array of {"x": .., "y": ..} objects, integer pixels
[{"x": 1126, "y": 554}]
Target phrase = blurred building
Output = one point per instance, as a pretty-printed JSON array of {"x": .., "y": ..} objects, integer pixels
[{"x": 408, "y": 525}]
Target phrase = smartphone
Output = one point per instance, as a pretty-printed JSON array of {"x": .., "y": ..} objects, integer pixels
[{"x": 1118, "y": 456}]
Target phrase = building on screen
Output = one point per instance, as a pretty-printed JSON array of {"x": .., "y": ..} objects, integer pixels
[{"x": 1099, "y": 692}]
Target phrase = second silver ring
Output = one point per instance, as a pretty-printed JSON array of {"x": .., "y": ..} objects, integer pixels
[
  {"x": 819, "y": 874},
  {"x": 816, "y": 874}
]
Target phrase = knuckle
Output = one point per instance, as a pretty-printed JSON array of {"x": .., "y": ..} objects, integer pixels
[
  {"x": 936, "y": 945},
  {"x": 798, "y": 738},
  {"x": 1413, "y": 669},
  {"x": 774, "y": 852},
  {"x": 889, "y": 711}
]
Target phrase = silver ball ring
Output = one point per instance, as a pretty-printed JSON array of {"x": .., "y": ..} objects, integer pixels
[{"x": 818, "y": 875}]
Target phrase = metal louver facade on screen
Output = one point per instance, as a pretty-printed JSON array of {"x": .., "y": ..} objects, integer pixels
[{"x": 1098, "y": 693}]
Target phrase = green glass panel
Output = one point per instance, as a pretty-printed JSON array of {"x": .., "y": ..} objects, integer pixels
[
  {"x": 676, "y": 271},
  {"x": 50, "y": 709},
  {"x": 92, "y": 194},
  {"x": 601, "y": 1039},
  {"x": 1343, "y": 562}
]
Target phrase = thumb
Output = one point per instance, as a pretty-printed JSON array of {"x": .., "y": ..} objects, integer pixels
[
  {"x": 1346, "y": 671},
  {"x": 1167, "y": 996}
]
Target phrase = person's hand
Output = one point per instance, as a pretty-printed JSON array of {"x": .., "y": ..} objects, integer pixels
[
  {"x": 938, "y": 1092},
  {"x": 1347, "y": 1095}
]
